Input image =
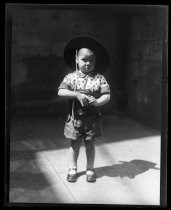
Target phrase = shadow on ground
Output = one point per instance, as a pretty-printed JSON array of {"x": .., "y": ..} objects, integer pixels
[
  {"x": 125, "y": 169},
  {"x": 28, "y": 181}
]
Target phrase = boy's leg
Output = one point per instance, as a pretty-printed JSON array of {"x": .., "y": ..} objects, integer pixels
[
  {"x": 74, "y": 152},
  {"x": 90, "y": 153},
  {"x": 73, "y": 156}
]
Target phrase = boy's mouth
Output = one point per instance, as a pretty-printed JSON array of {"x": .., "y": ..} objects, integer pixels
[{"x": 86, "y": 68}]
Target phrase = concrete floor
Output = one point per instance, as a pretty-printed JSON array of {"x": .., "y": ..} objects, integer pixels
[{"x": 127, "y": 164}]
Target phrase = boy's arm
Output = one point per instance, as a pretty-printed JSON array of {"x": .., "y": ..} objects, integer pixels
[
  {"x": 67, "y": 93},
  {"x": 102, "y": 100},
  {"x": 72, "y": 94},
  {"x": 104, "y": 91}
]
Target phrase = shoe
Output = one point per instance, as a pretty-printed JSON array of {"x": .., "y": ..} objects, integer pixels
[
  {"x": 72, "y": 177},
  {"x": 91, "y": 177}
]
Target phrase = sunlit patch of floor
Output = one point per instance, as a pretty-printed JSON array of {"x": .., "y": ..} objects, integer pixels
[{"x": 127, "y": 172}]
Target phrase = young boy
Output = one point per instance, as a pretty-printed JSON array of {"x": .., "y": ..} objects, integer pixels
[{"x": 87, "y": 90}]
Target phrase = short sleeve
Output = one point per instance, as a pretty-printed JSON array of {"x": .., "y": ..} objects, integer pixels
[
  {"x": 104, "y": 86},
  {"x": 66, "y": 83}
]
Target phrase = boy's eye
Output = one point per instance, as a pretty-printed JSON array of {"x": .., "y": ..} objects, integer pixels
[{"x": 85, "y": 60}]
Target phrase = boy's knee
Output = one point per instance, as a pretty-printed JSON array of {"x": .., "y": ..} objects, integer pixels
[
  {"x": 89, "y": 143},
  {"x": 76, "y": 143}
]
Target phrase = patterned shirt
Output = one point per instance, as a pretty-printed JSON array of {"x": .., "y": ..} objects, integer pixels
[{"x": 92, "y": 84}]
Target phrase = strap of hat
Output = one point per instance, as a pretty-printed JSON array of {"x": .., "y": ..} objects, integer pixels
[{"x": 72, "y": 114}]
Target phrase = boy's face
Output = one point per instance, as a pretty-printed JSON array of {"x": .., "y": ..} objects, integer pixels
[{"x": 86, "y": 60}]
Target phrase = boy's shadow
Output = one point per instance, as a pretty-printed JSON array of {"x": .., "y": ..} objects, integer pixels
[{"x": 125, "y": 169}]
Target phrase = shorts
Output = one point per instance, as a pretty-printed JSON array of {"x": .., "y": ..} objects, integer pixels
[{"x": 83, "y": 127}]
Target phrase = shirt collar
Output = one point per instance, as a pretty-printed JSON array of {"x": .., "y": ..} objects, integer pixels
[{"x": 82, "y": 75}]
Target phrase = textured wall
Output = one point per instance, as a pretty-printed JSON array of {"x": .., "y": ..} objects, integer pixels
[
  {"x": 144, "y": 72},
  {"x": 38, "y": 40},
  {"x": 134, "y": 43}
]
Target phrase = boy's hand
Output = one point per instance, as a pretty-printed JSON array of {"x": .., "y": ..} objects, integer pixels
[
  {"x": 92, "y": 101},
  {"x": 83, "y": 99}
]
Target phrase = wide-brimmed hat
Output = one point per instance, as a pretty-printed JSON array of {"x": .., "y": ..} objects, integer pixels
[{"x": 102, "y": 56}]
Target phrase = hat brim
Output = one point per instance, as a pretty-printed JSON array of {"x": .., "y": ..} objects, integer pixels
[{"x": 102, "y": 56}]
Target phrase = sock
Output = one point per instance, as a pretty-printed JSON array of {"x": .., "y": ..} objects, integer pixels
[
  {"x": 72, "y": 171},
  {"x": 89, "y": 172}
]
